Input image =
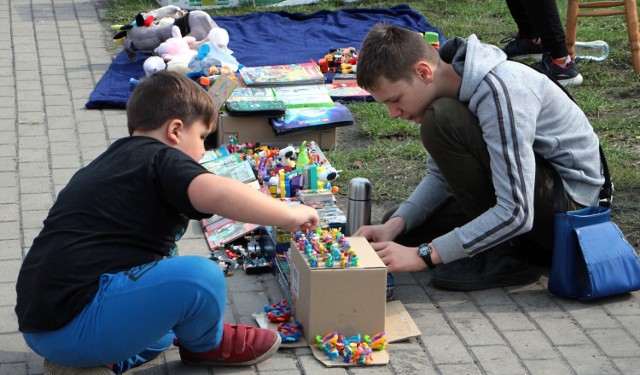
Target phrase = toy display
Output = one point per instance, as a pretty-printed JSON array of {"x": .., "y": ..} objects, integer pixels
[
  {"x": 355, "y": 349},
  {"x": 284, "y": 171},
  {"x": 339, "y": 60},
  {"x": 326, "y": 247}
]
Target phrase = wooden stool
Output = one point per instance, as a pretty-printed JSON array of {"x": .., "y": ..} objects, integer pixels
[{"x": 630, "y": 10}]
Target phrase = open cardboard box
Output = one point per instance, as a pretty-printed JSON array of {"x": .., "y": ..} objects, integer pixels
[
  {"x": 258, "y": 129},
  {"x": 347, "y": 300}
]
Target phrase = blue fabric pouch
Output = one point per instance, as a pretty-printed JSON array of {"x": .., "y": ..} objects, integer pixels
[{"x": 591, "y": 257}]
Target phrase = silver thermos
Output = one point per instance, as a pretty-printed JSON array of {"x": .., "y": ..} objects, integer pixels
[{"x": 358, "y": 204}]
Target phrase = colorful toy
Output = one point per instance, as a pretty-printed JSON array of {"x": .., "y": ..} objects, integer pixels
[
  {"x": 279, "y": 315},
  {"x": 290, "y": 332},
  {"x": 353, "y": 349},
  {"x": 276, "y": 306},
  {"x": 377, "y": 341}
]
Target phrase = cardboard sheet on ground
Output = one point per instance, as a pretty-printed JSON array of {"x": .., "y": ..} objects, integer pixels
[{"x": 399, "y": 326}]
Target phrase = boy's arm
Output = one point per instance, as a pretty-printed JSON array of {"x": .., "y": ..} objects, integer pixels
[
  {"x": 427, "y": 198},
  {"x": 235, "y": 200}
]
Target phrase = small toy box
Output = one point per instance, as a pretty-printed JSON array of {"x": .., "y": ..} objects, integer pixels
[
  {"x": 258, "y": 129},
  {"x": 348, "y": 300}
]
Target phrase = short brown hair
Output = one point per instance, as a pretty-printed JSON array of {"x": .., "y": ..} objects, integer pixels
[
  {"x": 165, "y": 96},
  {"x": 390, "y": 51}
]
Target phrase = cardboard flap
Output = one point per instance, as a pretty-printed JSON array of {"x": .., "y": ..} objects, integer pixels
[{"x": 399, "y": 325}]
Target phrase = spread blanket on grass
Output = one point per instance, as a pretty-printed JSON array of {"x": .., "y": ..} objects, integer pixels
[{"x": 271, "y": 38}]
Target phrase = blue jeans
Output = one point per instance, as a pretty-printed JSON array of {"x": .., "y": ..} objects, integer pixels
[{"x": 135, "y": 314}]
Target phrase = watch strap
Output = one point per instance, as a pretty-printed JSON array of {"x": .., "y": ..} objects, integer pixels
[{"x": 427, "y": 256}]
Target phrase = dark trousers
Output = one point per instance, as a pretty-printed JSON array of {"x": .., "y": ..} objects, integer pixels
[
  {"x": 453, "y": 138},
  {"x": 540, "y": 18}
]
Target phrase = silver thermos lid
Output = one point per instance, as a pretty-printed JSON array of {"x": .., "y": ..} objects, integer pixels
[{"x": 358, "y": 204}]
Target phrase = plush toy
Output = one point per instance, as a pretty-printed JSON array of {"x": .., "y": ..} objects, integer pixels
[
  {"x": 175, "y": 46},
  {"x": 153, "y": 64},
  {"x": 196, "y": 24}
]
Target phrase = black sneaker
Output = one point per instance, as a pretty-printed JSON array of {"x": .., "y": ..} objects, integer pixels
[
  {"x": 566, "y": 76},
  {"x": 503, "y": 265},
  {"x": 522, "y": 48}
]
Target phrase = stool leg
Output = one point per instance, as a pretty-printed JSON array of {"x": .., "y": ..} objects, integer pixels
[
  {"x": 631, "y": 10},
  {"x": 571, "y": 27}
]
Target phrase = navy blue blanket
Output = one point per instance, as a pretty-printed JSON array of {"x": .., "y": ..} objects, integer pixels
[{"x": 271, "y": 38}]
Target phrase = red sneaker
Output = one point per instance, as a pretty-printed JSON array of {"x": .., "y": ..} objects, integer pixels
[{"x": 241, "y": 345}]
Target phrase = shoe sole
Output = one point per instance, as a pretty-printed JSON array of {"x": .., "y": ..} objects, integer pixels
[
  {"x": 575, "y": 81},
  {"x": 266, "y": 355},
  {"x": 521, "y": 278}
]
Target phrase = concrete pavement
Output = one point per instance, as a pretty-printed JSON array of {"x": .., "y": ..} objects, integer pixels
[{"x": 55, "y": 53}]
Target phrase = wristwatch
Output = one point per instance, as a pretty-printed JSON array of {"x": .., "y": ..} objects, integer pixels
[{"x": 424, "y": 251}]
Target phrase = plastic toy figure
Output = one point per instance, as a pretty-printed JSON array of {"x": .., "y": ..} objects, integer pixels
[
  {"x": 276, "y": 306},
  {"x": 377, "y": 341}
]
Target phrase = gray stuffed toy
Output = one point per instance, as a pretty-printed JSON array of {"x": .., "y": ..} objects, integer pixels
[{"x": 145, "y": 39}]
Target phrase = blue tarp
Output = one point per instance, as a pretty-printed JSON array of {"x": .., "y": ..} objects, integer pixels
[{"x": 272, "y": 38}]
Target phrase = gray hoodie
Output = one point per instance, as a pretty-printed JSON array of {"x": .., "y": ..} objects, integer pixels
[{"x": 521, "y": 113}]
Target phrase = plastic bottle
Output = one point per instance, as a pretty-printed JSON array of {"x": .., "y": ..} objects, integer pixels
[
  {"x": 358, "y": 204},
  {"x": 598, "y": 50}
]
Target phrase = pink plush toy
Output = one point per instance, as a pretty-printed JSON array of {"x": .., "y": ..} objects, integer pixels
[{"x": 175, "y": 46}]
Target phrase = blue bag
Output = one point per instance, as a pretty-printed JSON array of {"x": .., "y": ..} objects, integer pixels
[{"x": 591, "y": 257}]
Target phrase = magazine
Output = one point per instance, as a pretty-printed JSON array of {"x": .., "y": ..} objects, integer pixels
[
  {"x": 297, "y": 120},
  {"x": 280, "y": 75}
]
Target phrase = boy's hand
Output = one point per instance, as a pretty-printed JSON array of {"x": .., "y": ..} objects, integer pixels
[
  {"x": 398, "y": 258},
  {"x": 304, "y": 219},
  {"x": 382, "y": 232}
]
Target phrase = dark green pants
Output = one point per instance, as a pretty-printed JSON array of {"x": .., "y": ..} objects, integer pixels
[{"x": 451, "y": 135}]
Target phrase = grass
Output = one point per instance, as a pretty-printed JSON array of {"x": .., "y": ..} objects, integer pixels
[{"x": 390, "y": 153}]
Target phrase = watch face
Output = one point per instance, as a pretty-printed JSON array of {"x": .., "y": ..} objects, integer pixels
[{"x": 424, "y": 250}]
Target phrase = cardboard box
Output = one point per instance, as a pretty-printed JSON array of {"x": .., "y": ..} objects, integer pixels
[
  {"x": 348, "y": 300},
  {"x": 258, "y": 129}
]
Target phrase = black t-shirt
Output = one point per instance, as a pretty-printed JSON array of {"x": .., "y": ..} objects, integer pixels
[{"x": 126, "y": 208}]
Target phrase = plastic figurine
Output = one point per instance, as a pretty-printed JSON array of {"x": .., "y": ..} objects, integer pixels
[
  {"x": 276, "y": 306},
  {"x": 377, "y": 341}
]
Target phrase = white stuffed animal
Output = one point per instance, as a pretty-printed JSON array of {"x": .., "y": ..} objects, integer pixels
[{"x": 153, "y": 64}]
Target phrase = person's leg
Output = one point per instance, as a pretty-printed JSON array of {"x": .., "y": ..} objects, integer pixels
[
  {"x": 451, "y": 135},
  {"x": 128, "y": 321},
  {"x": 545, "y": 21},
  {"x": 520, "y": 15}
]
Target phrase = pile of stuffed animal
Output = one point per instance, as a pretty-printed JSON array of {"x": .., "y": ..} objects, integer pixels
[{"x": 188, "y": 42}]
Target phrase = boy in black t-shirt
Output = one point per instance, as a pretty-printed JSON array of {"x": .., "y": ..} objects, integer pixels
[{"x": 99, "y": 286}]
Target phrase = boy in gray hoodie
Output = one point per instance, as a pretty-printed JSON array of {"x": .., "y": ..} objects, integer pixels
[{"x": 495, "y": 130}]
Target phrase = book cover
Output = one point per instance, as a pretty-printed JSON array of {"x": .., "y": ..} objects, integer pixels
[
  {"x": 347, "y": 92},
  {"x": 221, "y": 90},
  {"x": 302, "y": 96},
  {"x": 242, "y": 172},
  {"x": 216, "y": 164},
  {"x": 298, "y": 120},
  {"x": 279, "y": 75},
  {"x": 228, "y": 232}
]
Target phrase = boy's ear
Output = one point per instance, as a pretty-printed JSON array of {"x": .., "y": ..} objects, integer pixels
[
  {"x": 424, "y": 71},
  {"x": 174, "y": 131}
]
